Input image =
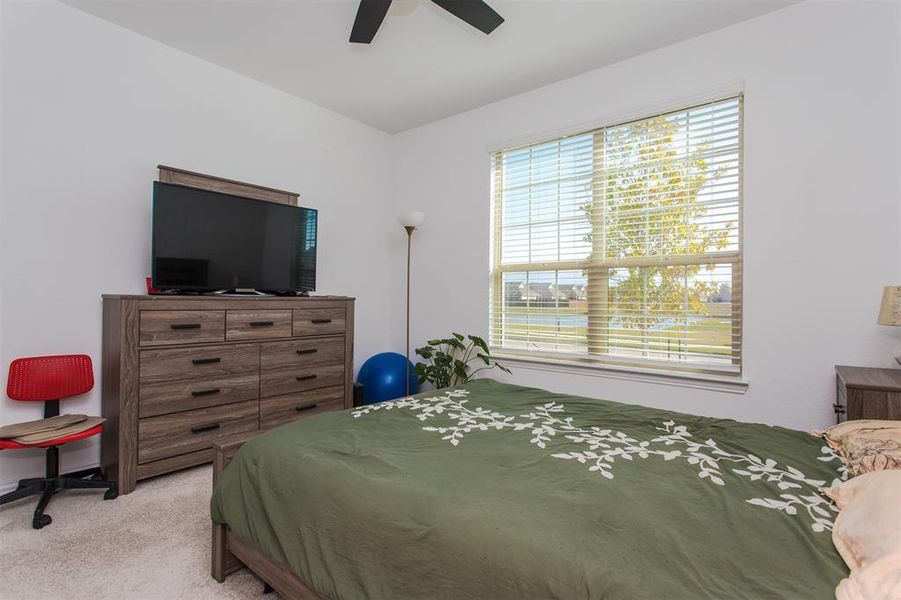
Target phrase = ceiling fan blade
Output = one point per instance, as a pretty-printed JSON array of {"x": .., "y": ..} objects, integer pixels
[
  {"x": 370, "y": 15},
  {"x": 475, "y": 12}
]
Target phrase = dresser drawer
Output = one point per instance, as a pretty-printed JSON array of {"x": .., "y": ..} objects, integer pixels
[
  {"x": 176, "y": 396},
  {"x": 310, "y": 352},
  {"x": 197, "y": 364},
  {"x": 300, "y": 378},
  {"x": 162, "y": 327},
  {"x": 193, "y": 430},
  {"x": 257, "y": 324},
  {"x": 279, "y": 410},
  {"x": 319, "y": 321}
]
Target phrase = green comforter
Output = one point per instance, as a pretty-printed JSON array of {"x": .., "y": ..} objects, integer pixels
[{"x": 498, "y": 491}]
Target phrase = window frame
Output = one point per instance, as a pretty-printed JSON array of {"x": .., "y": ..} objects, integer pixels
[{"x": 728, "y": 375}]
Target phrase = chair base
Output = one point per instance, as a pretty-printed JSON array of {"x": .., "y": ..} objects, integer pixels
[{"x": 48, "y": 486}]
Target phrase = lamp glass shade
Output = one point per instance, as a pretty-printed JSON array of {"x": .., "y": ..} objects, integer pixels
[
  {"x": 890, "y": 310},
  {"x": 411, "y": 218}
]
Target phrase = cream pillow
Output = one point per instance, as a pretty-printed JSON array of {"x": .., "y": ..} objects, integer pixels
[
  {"x": 879, "y": 581},
  {"x": 867, "y": 534},
  {"x": 866, "y": 445}
]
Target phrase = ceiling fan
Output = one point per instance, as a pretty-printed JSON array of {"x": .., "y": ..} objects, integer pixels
[{"x": 371, "y": 13}]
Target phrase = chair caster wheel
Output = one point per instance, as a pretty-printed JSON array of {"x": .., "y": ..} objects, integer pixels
[
  {"x": 41, "y": 521},
  {"x": 111, "y": 494}
]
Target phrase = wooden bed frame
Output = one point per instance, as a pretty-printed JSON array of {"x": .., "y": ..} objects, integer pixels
[{"x": 231, "y": 553}]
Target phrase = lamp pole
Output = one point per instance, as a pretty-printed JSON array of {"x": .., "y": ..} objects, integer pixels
[
  {"x": 410, "y": 229},
  {"x": 410, "y": 221}
]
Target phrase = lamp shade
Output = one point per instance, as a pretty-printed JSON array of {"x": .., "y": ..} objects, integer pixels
[
  {"x": 411, "y": 218},
  {"x": 890, "y": 310}
]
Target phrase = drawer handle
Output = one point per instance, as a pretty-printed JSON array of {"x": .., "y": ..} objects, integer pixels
[
  {"x": 207, "y": 392},
  {"x": 308, "y": 351},
  {"x": 839, "y": 409},
  {"x": 303, "y": 407},
  {"x": 206, "y": 361},
  {"x": 202, "y": 428},
  {"x": 320, "y": 321},
  {"x": 185, "y": 326},
  {"x": 305, "y": 377},
  {"x": 262, "y": 323}
]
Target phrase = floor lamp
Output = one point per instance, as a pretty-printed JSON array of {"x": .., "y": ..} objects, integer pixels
[{"x": 410, "y": 220}]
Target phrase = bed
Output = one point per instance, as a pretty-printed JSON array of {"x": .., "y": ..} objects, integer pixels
[{"x": 492, "y": 490}]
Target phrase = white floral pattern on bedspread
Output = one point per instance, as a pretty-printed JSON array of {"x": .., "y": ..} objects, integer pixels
[{"x": 600, "y": 448}]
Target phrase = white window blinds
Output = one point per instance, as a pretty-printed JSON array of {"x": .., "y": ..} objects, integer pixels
[{"x": 622, "y": 245}]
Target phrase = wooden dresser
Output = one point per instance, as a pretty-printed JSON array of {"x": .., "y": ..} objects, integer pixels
[
  {"x": 867, "y": 393},
  {"x": 180, "y": 372}
]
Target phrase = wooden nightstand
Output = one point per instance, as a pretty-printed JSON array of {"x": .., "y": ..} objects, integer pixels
[{"x": 867, "y": 393}]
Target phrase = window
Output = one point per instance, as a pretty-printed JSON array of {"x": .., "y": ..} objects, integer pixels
[{"x": 622, "y": 245}]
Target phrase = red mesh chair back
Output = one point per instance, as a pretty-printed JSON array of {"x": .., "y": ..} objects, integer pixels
[{"x": 44, "y": 378}]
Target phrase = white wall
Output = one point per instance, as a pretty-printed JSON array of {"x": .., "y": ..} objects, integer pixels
[
  {"x": 88, "y": 111},
  {"x": 821, "y": 198}
]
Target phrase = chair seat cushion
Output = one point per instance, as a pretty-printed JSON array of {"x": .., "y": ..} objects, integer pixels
[
  {"x": 16, "y": 430},
  {"x": 62, "y": 436}
]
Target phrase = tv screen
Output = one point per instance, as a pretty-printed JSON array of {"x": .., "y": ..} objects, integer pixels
[{"x": 209, "y": 241}]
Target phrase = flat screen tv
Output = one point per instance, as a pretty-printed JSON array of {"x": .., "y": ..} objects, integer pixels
[{"x": 208, "y": 241}]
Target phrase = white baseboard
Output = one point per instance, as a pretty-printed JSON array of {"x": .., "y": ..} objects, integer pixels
[{"x": 8, "y": 486}]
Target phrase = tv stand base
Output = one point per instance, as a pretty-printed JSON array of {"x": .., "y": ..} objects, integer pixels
[{"x": 240, "y": 292}]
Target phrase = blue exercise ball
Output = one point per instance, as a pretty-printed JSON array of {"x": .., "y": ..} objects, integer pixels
[{"x": 382, "y": 377}]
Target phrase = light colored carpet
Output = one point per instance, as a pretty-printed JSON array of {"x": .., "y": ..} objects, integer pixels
[{"x": 151, "y": 544}]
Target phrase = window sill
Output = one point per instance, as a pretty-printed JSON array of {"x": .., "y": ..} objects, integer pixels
[{"x": 701, "y": 381}]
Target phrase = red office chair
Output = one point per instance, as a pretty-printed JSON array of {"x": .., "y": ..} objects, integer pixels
[{"x": 49, "y": 379}]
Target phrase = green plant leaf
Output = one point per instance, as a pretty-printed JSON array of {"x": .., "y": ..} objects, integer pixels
[
  {"x": 480, "y": 343},
  {"x": 485, "y": 358}
]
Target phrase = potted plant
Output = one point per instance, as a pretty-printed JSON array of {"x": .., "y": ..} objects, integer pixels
[{"x": 446, "y": 362}]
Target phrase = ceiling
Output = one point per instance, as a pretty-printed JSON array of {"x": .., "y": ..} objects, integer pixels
[{"x": 424, "y": 64}]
